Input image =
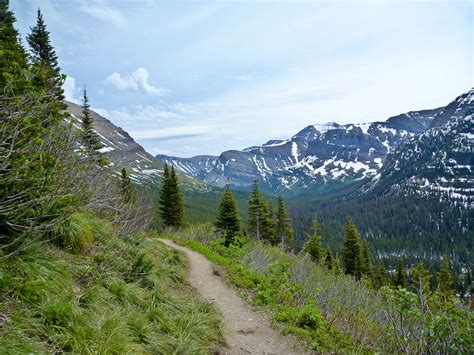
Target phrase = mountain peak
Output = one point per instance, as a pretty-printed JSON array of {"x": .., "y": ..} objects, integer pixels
[{"x": 326, "y": 126}]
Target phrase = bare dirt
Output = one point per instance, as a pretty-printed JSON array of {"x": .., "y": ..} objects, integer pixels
[{"x": 247, "y": 331}]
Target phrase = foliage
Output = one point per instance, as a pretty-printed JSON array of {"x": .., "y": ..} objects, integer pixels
[
  {"x": 44, "y": 64},
  {"x": 126, "y": 186},
  {"x": 89, "y": 137},
  {"x": 228, "y": 221},
  {"x": 333, "y": 311},
  {"x": 14, "y": 59},
  {"x": 256, "y": 213},
  {"x": 400, "y": 279},
  {"x": 366, "y": 262},
  {"x": 171, "y": 200},
  {"x": 283, "y": 230},
  {"x": 393, "y": 225},
  {"x": 428, "y": 323},
  {"x": 351, "y": 251},
  {"x": 313, "y": 243},
  {"x": 76, "y": 233},
  {"x": 445, "y": 279},
  {"x": 121, "y": 295},
  {"x": 380, "y": 276},
  {"x": 328, "y": 260}
]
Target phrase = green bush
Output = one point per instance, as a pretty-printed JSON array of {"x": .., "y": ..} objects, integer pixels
[{"x": 428, "y": 323}]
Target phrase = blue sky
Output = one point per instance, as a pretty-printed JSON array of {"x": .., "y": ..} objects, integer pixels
[{"x": 200, "y": 77}]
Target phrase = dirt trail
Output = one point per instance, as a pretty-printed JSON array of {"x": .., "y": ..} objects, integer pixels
[{"x": 247, "y": 331}]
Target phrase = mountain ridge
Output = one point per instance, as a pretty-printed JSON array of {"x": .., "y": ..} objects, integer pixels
[
  {"x": 124, "y": 152},
  {"x": 320, "y": 158}
]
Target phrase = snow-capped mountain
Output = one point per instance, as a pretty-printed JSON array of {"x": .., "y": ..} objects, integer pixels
[
  {"x": 440, "y": 160},
  {"x": 323, "y": 158}
]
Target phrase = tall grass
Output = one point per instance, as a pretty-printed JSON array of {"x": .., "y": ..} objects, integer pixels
[
  {"x": 76, "y": 233},
  {"x": 107, "y": 295}
]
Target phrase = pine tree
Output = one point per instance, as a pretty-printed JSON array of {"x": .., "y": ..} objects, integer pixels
[
  {"x": 328, "y": 260},
  {"x": 366, "y": 266},
  {"x": 45, "y": 66},
  {"x": 267, "y": 224},
  {"x": 445, "y": 279},
  {"x": 13, "y": 63},
  {"x": 283, "y": 230},
  {"x": 176, "y": 201},
  {"x": 271, "y": 223},
  {"x": 89, "y": 137},
  {"x": 313, "y": 244},
  {"x": 381, "y": 276},
  {"x": 228, "y": 221},
  {"x": 337, "y": 266},
  {"x": 126, "y": 186},
  {"x": 420, "y": 282},
  {"x": 400, "y": 279},
  {"x": 165, "y": 198},
  {"x": 351, "y": 251},
  {"x": 255, "y": 212},
  {"x": 33, "y": 180}
]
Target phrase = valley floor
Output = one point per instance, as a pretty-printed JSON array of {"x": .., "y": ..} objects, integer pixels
[{"x": 247, "y": 331}]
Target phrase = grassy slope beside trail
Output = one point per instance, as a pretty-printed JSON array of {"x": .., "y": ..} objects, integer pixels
[
  {"x": 331, "y": 311},
  {"x": 122, "y": 295}
]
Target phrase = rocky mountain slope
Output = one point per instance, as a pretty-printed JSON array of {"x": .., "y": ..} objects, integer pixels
[
  {"x": 123, "y": 151},
  {"x": 440, "y": 160},
  {"x": 326, "y": 158}
]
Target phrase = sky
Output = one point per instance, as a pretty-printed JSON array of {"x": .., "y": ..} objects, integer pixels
[{"x": 186, "y": 78}]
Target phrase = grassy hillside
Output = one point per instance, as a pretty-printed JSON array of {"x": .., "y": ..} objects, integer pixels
[
  {"x": 113, "y": 295},
  {"x": 334, "y": 312}
]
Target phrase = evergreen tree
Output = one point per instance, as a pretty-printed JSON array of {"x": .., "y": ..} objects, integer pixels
[
  {"x": 89, "y": 137},
  {"x": 267, "y": 224},
  {"x": 165, "y": 198},
  {"x": 420, "y": 281},
  {"x": 313, "y": 244},
  {"x": 228, "y": 221},
  {"x": 45, "y": 66},
  {"x": 283, "y": 230},
  {"x": 176, "y": 201},
  {"x": 380, "y": 276},
  {"x": 400, "y": 279},
  {"x": 255, "y": 212},
  {"x": 126, "y": 186},
  {"x": 337, "y": 267},
  {"x": 366, "y": 266},
  {"x": 351, "y": 251},
  {"x": 445, "y": 279},
  {"x": 13, "y": 63},
  {"x": 328, "y": 260},
  {"x": 272, "y": 223},
  {"x": 35, "y": 140}
]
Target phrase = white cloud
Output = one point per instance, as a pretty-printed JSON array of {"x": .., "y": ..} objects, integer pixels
[
  {"x": 70, "y": 90},
  {"x": 172, "y": 133},
  {"x": 104, "y": 13},
  {"x": 137, "y": 81},
  {"x": 239, "y": 77}
]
